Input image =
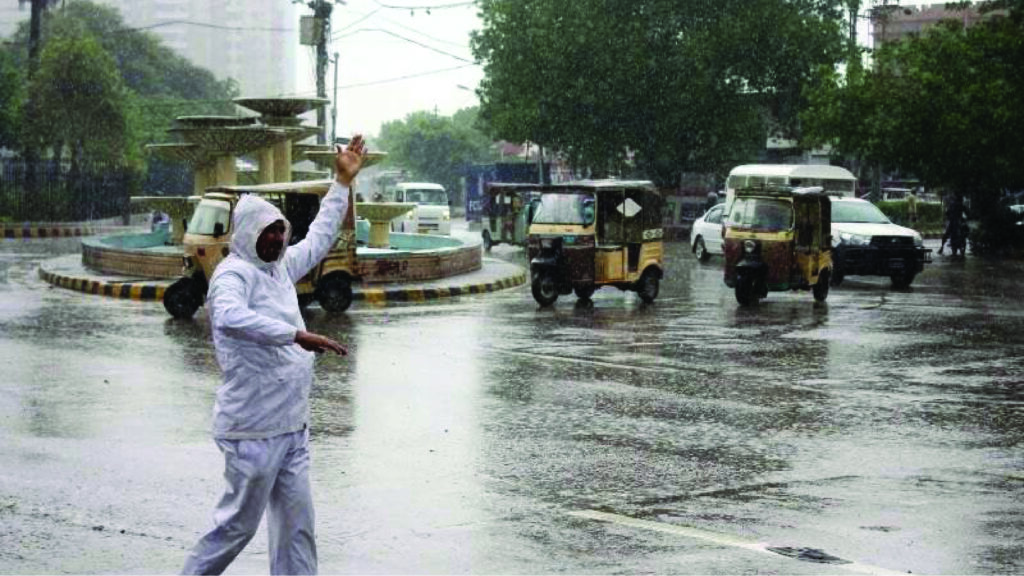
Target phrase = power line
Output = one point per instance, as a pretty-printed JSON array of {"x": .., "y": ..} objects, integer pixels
[
  {"x": 407, "y": 77},
  {"x": 204, "y": 25},
  {"x": 400, "y": 25},
  {"x": 430, "y": 7},
  {"x": 409, "y": 40}
]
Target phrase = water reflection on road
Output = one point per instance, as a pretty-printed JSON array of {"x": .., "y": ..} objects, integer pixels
[{"x": 459, "y": 436}]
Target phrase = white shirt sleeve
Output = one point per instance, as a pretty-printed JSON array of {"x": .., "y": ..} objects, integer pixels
[
  {"x": 302, "y": 257},
  {"x": 230, "y": 313}
]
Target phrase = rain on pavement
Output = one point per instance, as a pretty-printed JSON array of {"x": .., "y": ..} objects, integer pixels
[{"x": 486, "y": 435}]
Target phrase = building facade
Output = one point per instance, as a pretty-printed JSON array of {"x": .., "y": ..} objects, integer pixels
[
  {"x": 895, "y": 22},
  {"x": 256, "y": 42}
]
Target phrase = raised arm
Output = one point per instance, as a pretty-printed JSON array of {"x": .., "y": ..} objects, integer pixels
[{"x": 302, "y": 257}]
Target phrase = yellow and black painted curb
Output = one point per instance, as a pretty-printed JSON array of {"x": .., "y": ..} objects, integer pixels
[
  {"x": 380, "y": 296},
  {"x": 146, "y": 291},
  {"x": 131, "y": 290},
  {"x": 20, "y": 232}
]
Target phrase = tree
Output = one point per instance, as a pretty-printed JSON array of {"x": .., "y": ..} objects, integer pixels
[
  {"x": 435, "y": 148},
  {"x": 80, "y": 102},
  {"x": 679, "y": 85},
  {"x": 947, "y": 106},
  {"x": 11, "y": 99}
]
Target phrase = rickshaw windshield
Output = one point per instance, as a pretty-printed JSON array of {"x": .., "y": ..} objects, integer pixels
[
  {"x": 560, "y": 209},
  {"x": 761, "y": 214},
  {"x": 208, "y": 213}
]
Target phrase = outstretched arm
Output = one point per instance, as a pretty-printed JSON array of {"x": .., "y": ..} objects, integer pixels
[{"x": 302, "y": 257}]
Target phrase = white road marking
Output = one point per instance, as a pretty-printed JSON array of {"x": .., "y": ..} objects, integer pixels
[{"x": 718, "y": 538}]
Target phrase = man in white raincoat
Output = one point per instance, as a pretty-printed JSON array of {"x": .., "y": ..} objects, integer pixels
[{"x": 261, "y": 415}]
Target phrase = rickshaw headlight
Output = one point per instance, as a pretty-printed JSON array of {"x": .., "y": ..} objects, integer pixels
[
  {"x": 854, "y": 239},
  {"x": 545, "y": 243},
  {"x": 749, "y": 246}
]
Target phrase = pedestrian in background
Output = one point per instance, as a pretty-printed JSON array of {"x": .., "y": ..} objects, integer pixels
[
  {"x": 912, "y": 206},
  {"x": 261, "y": 414}
]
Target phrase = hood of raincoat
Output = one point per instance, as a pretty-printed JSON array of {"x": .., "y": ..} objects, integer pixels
[{"x": 252, "y": 215}]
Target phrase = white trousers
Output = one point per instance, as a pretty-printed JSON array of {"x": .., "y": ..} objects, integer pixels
[{"x": 268, "y": 471}]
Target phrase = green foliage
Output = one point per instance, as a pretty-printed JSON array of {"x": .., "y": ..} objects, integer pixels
[
  {"x": 929, "y": 215},
  {"x": 947, "y": 107},
  {"x": 676, "y": 85},
  {"x": 11, "y": 98},
  {"x": 435, "y": 148},
  {"x": 79, "y": 100}
]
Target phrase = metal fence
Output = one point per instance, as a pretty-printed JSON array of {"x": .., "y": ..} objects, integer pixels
[{"x": 57, "y": 195}]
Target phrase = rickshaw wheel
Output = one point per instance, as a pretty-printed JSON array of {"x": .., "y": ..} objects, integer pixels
[
  {"x": 745, "y": 291},
  {"x": 487, "y": 240},
  {"x": 182, "y": 298},
  {"x": 648, "y": 286},
  {"x": 544, "y": 290},
  {"x": 701, "y": 251},
  {"x": 821, "y": 288},
  {"x": 584, "y": 292},
  {"x": 334, "y": 292}
]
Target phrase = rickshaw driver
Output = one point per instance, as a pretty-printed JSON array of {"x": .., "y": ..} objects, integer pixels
[{"x": 261, "y": 413}]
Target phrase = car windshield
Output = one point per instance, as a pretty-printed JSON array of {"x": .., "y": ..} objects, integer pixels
[
  {"x": 857, "y": 212},
  {"x": 761, "y": 213},
  {"x": 208, "y": 213},
  {"x": 427, "y": 197},
  {"x": 560, "y": 209}
]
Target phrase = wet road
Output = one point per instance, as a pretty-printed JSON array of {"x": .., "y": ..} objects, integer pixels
[{"x": 484, "y": 435}]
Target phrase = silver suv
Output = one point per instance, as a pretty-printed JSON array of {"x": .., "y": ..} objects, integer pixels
[{"x": 866, "y": 243}]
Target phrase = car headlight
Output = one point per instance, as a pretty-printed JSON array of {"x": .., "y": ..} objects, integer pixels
[
  {"x": 854, "y": 239},
  {"x": 918, "y": 241},
  {"x": 446, "y": 216}
]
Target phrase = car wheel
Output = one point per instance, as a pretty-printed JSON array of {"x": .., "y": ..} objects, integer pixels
[
  {"x": 902, "y": 280},
  {"x": 821, "y": 288},
  {"x": 648, "y": 286},
  {"x": 584, "y": 292},
  {"x": 183, "y": 298},
  {"x": 544, "y": 290},
  {"x": 487, "y": 240},
  {"x": 700, "y": 250},
  {"x": 334, "y": 292},
  {"x": 745, "y": 290}
]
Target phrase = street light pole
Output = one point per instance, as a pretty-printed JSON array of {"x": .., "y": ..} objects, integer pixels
[{"x": 322, "y": 12}]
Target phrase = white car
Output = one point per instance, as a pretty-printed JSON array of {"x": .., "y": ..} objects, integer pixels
[
  {"x": 706, "y": 234},
  {"x": 865, "y": 242}
]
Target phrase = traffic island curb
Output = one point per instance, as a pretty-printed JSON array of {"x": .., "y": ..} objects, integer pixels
[
  {"x": 130, "y": 290},
  {"x": 508, "y": 276}
]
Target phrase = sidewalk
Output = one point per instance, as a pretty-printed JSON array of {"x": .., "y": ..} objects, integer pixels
[{"x": 68, "y": 272}]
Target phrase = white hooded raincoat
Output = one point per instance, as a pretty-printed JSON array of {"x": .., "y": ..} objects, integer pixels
[{"x": 254, "y": 315}]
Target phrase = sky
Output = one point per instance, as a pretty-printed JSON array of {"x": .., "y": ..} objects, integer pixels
[{"x": 395, "y": 58}]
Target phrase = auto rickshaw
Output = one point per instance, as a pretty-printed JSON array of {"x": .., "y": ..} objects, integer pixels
[
  {"x": 208, "y": 237},
  {"x": 508, "y": 212},
  {"x": 778, "y": 238},
  {"x": 590, "y": 234}
]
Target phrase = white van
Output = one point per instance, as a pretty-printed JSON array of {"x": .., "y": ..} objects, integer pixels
[
  {"x": 831, "y": 178},
  {"x": 432, "y": 214}
]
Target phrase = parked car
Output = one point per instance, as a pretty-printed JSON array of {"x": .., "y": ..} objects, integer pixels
[
  {"x": 867, "y": 243},
  {"x": 706, "y": 234}
]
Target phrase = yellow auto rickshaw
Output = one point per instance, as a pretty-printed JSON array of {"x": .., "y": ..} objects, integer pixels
[
  {"x": 208, "y": 237},
  {"x": 596, "y": 233},
  {"x": 508, "y": 212},
  {"x": 778, "y": 238}
]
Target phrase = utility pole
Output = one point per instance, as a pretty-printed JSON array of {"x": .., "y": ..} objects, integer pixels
[
  {"x": 334, "y": 104},
  {"x": 322, "y": 12}
]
